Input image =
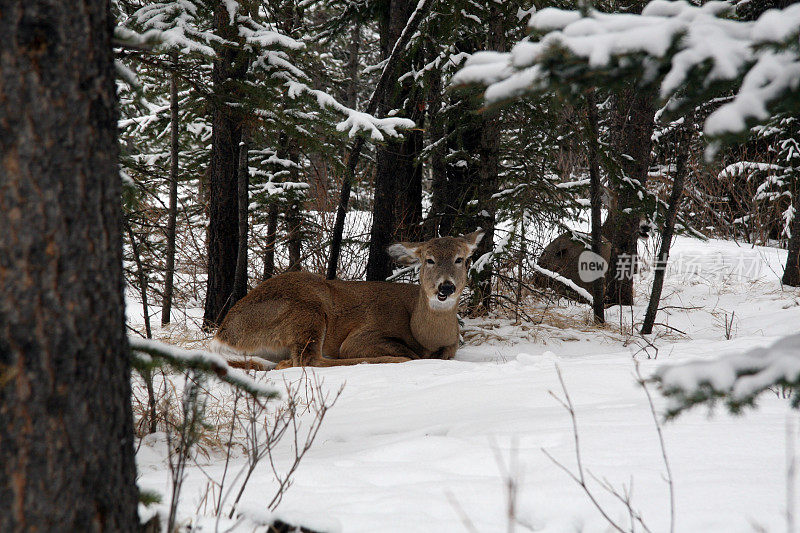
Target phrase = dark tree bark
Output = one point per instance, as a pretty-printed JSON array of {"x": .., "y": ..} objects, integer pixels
[
  {"x": 438, "y": 164},
  {"x": 483, "y": 191},
  {"x": 66, "y": 440},
  {"x": 273, "y": 212},
  {"x": 599, "y": 285},
  {"x": 243, "y": 199},
  {"x": 791, "y": 274},
  {"x": 408, "y": 199},
  {"x": 669, "y": 230},
  {"x": 397, "y": 210},
  {"x": 172, "y": 215},
  {"x": 294, "y": 219},
  {"x": 223, "y": 209},
  {"x": 358, "y": 143},
  {"x": 352, "y": 66},
  {"x": 456, "y": 191},
  {"x": 489, "y": 172},
  {"x": 272, "y": 234},
  {"x": 632, "y": 130},
  {"x": 463, "y": 190}
]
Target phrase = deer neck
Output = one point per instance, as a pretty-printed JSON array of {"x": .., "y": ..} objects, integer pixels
[{"x": 434, "y": 328}]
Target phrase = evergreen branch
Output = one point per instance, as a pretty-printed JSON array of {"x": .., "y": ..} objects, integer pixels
[{"x": 143, "y": 349}]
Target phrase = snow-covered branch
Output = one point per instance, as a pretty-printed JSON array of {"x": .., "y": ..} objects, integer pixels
[
  {"x": 736, "y": 379},
  {"x": 671, "y": 44},
  {"x": 565, "y": 281},
  {"x": 145, "y": 349}
]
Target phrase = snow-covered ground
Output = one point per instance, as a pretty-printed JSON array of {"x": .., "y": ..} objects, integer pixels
[{"x": 430, "y": 446}]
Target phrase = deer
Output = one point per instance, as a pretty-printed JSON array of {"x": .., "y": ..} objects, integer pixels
[
  {"x": 300, "y": 319},
  {"x": 561, "y": 256}
]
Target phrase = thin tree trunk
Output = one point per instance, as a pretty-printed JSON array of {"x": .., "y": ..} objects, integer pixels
[
  {"x": 272, "y": 214},
  {"x": 408, "y": 201},
  {"x": 243, "y": 194},
  {"x": 669, "y": 230},
  {"x": 223, "y": 208},
  {"x": 147, "y": 375},
  {"x": 352, "y": 66},
  {"x": 358, "y": 143},
  {"x": 598, "y": 285},
  {"x": 520, "y": 267},
  {"x": 66, "y": 437},
  {"x": 140, "y": 275},
  {"x": 172, "y": 215},
  {"x": 272, "y": 233},
  {"x": 294, "y": 219}
]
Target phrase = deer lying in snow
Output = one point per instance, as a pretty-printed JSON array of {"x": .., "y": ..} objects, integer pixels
[
  {"x": 561, "y": 256},
  {"x": 302, "y": 319}
]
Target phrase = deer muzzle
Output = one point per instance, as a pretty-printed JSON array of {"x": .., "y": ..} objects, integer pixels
[{"x": 445, "y": 290}]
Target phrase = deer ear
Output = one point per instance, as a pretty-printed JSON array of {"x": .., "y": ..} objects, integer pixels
[
  {"x": 473, "y": 239},
  {"x": 405, "y": 252}
]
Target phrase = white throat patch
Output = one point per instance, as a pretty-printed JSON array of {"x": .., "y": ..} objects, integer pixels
[{"x": 438, "y": 305}]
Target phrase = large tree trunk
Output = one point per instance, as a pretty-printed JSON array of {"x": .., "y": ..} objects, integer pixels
[
  {"x": 488, "y": 174},
  {"x": 243, "y": 194},
  {"x": 408, "y": 197},
  {"x": 483, "y": 191},
  {"x": 66, "y": 436},
  {"x": 439, "y": 189},
  {"x": 593, "y": 141},
  {"x": 223, "y": 208},
  {"x": 464, "y": 186},
  {"x": 791, "y": 274},
  {"x": 397, "y": 211},
  {"x": 380, "y": 235},
  {"x": 172, "y": 215},
  {"x": 354, "y": 153},
  {"x": 632, "y": 130}
]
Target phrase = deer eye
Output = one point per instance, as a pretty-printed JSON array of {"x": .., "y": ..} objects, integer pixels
[
  {"x": 459, "y": 260},
  {"x": 431, "y": 262}
]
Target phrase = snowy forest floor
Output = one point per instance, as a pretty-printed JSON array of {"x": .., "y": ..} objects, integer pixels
[{"x": 430, "y": 446}]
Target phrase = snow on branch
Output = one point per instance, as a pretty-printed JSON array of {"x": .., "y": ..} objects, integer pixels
[
  {"x": 145, "y": 349},
  {"x": 565, "y": 281},
  {"x": 176, "y": 25},
  {"x": 736, "y": 379},
  {"x": 742, "y": 167},
  {"x": 671, "y": 44},
  {"x": 356, "y": 120}
]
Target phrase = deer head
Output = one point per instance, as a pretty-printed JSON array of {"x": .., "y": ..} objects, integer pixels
[{"x": 444, "y": 263}]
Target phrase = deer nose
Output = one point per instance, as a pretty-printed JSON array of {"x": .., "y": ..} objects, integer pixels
[{"x": 447, "y": 288}]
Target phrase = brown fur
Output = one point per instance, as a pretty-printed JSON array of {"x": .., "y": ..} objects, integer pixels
[
  {"x": 561, "y": 256},
  {"x": 302, "y": 319}
]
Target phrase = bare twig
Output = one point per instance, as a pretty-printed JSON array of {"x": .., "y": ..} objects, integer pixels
[
  {"x": 663, "y": 447},
  {"x": 580, "y": 477},
  {"x": 462, "y": 514}
]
